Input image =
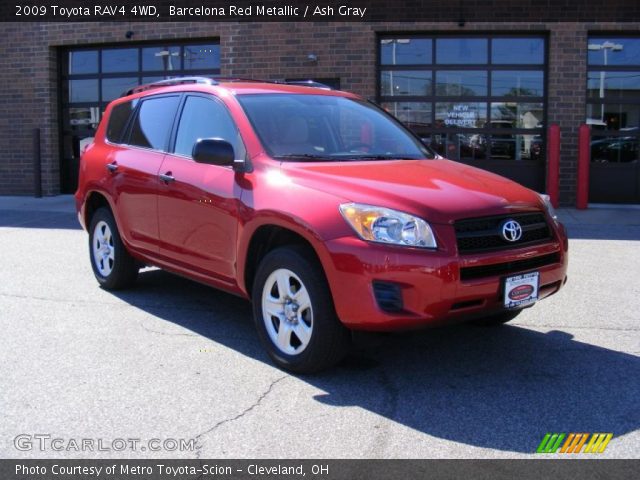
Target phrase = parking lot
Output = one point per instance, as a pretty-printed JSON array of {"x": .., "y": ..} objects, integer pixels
[{"x": 172, "y": 359}]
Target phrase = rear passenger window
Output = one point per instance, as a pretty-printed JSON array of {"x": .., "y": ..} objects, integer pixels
[
  {"x": 118, "y": 121},
  {"x": 153, "y": 124},
  {"x": 206, "y": 118}
]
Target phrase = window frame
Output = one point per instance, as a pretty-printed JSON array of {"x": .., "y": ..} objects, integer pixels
[
  {"x": 124, "y": 134},
  {"x": 178, "y": 116},
  {"x": 134, "y": 117},
  {"x": 604, "y": 36},
  {"x": 488, "y": 100}
]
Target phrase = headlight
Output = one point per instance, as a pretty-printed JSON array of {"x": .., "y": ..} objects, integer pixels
[
  {"x": 547, "y": 203},
  {"x": 378, "y": 224}
]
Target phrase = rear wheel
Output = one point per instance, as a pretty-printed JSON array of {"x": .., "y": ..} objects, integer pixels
[
  {"x": 497, "y": 319},
  {"x": 112, "y": 265},
  {"x": 294, "y": 312}
]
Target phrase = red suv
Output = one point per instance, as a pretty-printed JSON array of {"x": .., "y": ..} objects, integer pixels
[{"x": 317, "y": 205}]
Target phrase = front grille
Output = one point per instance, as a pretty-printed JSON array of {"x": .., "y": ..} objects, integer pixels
[
  {"x": 482, "y": 234},
  {"x": 470, "y": 273}
]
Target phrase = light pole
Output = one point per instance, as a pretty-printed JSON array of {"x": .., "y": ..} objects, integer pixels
[
  {"x": 166, "y": 58},
  {"x": 394, "y": 42}
]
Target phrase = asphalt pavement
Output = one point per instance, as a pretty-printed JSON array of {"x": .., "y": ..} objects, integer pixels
[{"x": 174, "y": 360}]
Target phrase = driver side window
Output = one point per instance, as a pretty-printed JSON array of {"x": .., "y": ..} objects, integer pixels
[{"x": 206, "y": 118}]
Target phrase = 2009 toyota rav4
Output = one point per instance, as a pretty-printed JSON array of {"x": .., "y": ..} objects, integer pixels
[{"x": 317, "y": 205}]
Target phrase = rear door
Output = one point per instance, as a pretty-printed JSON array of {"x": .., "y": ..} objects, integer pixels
[
  {"x": 134, "y": 170},
  {"x": 198, "y": 203}
]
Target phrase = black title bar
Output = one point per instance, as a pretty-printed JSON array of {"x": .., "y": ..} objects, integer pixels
[
  {"x": 456, "y": 11},
  {"x": 162, "y": 469}
]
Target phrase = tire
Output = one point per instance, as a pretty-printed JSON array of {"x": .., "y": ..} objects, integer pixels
[
  {"x": 112, "y": 265},
  {"x": 298, "y": 327},
  {"x": 497, "y": 319}
]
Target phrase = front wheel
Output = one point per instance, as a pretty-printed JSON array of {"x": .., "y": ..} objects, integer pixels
[
  {"x": 112, "y": 265},
  {"x": 294, "y": 312}
]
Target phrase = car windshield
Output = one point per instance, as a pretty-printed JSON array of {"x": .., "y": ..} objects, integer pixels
[{"x": 297, "y": 127}]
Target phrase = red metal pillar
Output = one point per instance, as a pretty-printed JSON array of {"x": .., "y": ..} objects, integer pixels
[
  {"x": 584, "y": 153},
  {"x": 553, "y": 165}
]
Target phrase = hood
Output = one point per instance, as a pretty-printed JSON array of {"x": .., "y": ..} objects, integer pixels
[{"x": 439, "y": 191}]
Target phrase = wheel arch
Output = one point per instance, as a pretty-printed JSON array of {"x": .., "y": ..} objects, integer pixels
[
  {"x": 264, "y": 238},
  {"x": 93, "y": 202}
]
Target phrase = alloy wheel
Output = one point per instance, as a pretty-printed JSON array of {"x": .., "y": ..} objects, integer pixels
[{"x": 287, "y": 311}]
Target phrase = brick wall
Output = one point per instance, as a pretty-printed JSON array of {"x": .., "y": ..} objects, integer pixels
[{"x": 28, "y": 73}]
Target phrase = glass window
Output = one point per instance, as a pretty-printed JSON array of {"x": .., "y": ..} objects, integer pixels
[
  {"x": 120, "y": 60},
  {"x": 327, "y": 128},
  {"x": 201, "y": 57},
  {"x": 614, "y": 149},
  {"x": 614, "y": 51},
  {"x": 164, "y": 59},
  {"x": 516, "y": 147},
  {"x": 82, "y": 118},
  {"x": 624, "y": 117},
  {"x": 152, "y": 125},
  {"x": 405, "y": 51},
  {"x": 113, "y": 88},
  {"x": 517, "y": 51},
  {"x": 614, "y": 93},
  {"x": 457, "y": 146},
  {"x": 415, "y": 115},
  {"x": 461, "y": 51},
  {"x": 83, "y": 90},
  {"x": 479, "y": 85},
  {"x": 461, "y": 114},
  {"x": 614, "y": 85},
  {"x": 516, "y": 115},
  {"x": 471, "y": 83},
  {"x": 517, "y": 83},
  {"x": 206, "y": 118},
  {"x": 83, "y": 62},
  {"x": 118, "y": 121},
  {"x": 405, "y": 82}
]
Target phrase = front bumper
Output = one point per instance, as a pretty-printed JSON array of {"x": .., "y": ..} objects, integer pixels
[{"x": 431, "y": 283}]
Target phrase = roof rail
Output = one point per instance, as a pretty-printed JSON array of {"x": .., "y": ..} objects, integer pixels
[
  {"x": 216, "y": 80},
  {"x": 169, "y": 83},
  {"x": 239, "y": 79},
  {"x": 304, "y": 83}
]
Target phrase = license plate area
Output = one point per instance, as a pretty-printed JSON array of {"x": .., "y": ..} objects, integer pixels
[{"x": 521, "y": 290}]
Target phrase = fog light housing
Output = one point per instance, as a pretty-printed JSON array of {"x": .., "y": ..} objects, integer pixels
[{"x": 388, "y": 296}]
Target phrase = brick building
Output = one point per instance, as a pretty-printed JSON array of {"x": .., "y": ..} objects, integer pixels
[{"x": 482, "y": 94}]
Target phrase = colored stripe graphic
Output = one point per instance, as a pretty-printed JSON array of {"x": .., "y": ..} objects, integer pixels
[
  {"x": 581, "y": 443},
  {"x": 598, "y": 442},
  {"x": 552, "y": 442}
]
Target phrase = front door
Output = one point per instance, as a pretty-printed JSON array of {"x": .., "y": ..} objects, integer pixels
[{"x": 198, "y": 203}]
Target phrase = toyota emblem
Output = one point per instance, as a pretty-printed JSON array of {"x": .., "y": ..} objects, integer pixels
[{"x": 511, "y": 231}]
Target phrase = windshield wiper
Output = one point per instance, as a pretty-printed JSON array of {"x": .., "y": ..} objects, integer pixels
[
  {"x": 342, "y": 157},
  {"x": 305, "y": 156},
  {"x": 380, "y": 157}
]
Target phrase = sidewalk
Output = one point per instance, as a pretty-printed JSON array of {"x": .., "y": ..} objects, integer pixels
[
  {"x": 569, "y": 216},
  {"x": 58, "y": 203},
  {"x": 599, "y": 216}
]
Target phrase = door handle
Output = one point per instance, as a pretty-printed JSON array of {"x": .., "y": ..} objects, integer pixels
[
  {"x": 112, "y": 167},
  {"x": 166, "y": 177}
]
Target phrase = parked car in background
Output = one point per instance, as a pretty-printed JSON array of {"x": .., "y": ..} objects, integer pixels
[{"x": 615, "y": 149}]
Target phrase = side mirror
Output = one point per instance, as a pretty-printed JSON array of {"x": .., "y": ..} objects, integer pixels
[{"x": 214, "y": 151}]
